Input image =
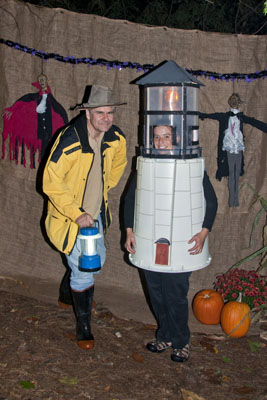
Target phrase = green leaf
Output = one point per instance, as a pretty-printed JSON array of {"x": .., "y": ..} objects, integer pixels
[
  {"x": 69, "y": 381},
  {"x": 27, "y": 384},
  {"x": 254, "y": 346},
  {"x": 264, "y": 203},
  {"x": 255, "y": 224},
  {"x": 227, "y": 359},
  {"x": 249, "y": 258},
  {"x": 263, "y": 265}
]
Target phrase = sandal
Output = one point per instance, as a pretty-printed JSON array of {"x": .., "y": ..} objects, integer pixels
[
  {"x": 158, "y": 346},
  {"x": 180, "y": 355}
]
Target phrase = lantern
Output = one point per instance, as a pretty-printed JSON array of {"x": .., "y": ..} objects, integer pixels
[
  {"x": 89, "y": 259},
  {"x": 170, "y": 97}
]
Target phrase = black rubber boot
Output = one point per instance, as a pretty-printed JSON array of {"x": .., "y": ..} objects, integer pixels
[
  {"x": 83, "y": 306},
  {"x": 65, "y": 296}
]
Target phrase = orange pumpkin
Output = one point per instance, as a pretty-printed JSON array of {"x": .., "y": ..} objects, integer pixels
[
  {"x": 207, "y": 306},
  {"x": 232, "y": 314}
]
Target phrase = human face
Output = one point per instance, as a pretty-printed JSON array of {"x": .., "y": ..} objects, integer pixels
[
  {"x": 100, "y": 119},
  {"x": 162, "y": 137},
  {"x": 42, "y": 79}
]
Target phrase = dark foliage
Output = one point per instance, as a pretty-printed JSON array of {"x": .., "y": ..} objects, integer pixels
[{"x": 227, "y": 16}]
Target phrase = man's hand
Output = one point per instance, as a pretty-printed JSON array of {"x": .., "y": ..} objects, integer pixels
[
  {"x": 199, "y": 239},
  {"x": 85, "y": 220},
  {"x": 130, "y": 241}
]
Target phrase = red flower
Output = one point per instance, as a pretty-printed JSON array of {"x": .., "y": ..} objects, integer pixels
[{"x": 252, "y": 285}]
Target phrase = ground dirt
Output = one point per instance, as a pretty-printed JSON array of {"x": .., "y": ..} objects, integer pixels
[{"x": 39, "y": 359}]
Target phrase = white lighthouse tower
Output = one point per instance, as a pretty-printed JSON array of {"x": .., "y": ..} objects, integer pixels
[{"x": 169, "y": 199}]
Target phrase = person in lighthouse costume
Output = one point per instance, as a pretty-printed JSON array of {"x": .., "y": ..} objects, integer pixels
[{"x": 170, "y": 205}]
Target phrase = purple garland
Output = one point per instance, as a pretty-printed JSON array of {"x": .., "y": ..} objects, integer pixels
[
  {"x": 229, "y": 77},
  {"x": 127, "y": 64},
  {"x": 72, "y": 60}
]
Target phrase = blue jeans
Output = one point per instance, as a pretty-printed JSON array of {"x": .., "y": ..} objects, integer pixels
[{"x": 80, "y": 280}]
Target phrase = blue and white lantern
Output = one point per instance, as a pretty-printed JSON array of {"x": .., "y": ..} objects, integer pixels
[{"x": 89, "y": 259}]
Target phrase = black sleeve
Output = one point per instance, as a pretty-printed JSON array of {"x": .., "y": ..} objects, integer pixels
[
  {"x": 262, "y": 126},
  {"x": 129, "y": 200},
  {"x": 216, "y": 116},
  {"x": 211, "y": 203}
]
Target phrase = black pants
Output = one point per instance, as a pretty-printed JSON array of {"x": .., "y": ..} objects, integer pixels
[
  {"x": 168, "y": 296},
  {"x": 234, "y": 162}
]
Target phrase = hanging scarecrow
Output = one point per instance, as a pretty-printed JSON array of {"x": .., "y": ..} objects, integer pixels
[
  {"x": 31, "y": 121},
  {"x": 230, "y": 160}
]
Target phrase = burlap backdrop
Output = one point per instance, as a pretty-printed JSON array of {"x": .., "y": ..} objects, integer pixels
[{"x": 24, "y": 252}]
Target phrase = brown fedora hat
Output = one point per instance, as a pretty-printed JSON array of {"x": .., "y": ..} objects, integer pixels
[{"x": 100, "y": 96}]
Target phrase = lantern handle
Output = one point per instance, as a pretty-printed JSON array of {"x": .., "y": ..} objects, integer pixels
[{"x": 96, "y": 222}]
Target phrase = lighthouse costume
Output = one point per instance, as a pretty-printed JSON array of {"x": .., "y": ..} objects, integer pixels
[{"x": 174, "y": 203}]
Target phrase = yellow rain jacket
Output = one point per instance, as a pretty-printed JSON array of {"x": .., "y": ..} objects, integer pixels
[{"x": 65, "y": 177}]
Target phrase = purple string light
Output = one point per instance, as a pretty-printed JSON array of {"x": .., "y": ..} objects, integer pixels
[{"x": 119, "y": 65}]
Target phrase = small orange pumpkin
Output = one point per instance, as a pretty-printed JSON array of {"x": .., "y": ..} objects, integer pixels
[
  {"x": 207, "y": 306},
  {"x": 232, "y": 314}
]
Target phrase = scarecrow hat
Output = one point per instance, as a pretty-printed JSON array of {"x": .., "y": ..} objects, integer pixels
[{"x": 100, "y": 96}]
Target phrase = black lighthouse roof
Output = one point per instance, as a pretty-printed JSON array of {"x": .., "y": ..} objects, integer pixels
[{"x": 168, "y": 72}]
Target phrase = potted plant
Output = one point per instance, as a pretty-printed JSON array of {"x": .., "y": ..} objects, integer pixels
[{"x": 251, "y": 284}]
